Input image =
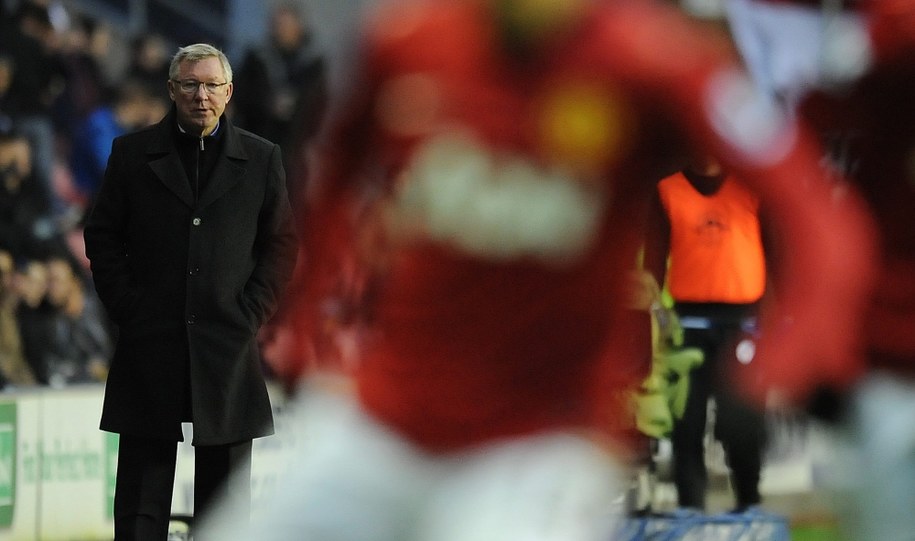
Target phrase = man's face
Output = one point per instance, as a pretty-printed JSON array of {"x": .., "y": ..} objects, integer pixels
[
  {"x": 32, "y": 283},
  {"x": 199, "y": 109},
  {"x": 6, "y": 271},
  {"x": 61, "y": 282}
]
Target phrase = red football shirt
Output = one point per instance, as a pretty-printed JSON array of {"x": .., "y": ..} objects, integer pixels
[{"x": 482, "y": 200}]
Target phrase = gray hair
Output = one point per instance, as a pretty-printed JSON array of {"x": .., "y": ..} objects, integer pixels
[{"x": 196, "y": 52}]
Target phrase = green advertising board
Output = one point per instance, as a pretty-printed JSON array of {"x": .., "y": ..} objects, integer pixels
[
  {"x": 111, "y": 469},
  {"x": 7, "y": 462}
]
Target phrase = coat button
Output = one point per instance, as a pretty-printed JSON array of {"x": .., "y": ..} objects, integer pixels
[
  {"x": 196, "y": 221},
  {"x": 191, "y": 319}
]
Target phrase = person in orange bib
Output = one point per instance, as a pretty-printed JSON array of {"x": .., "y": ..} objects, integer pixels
[{"x": 706, "y": 225}]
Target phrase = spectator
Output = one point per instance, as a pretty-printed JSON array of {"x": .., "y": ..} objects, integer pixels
[
  {"x": 81, "y": 342},
  {"x": 706, "y": 226},
  {"x": 83, "y": 85},
  {"x": 6, "y": 80},
  {"x": 479, "y": 204},
  {"x": 132, "y": 108},
  {"x": 34, "y": 315},
  {"x": 6, "y": 26},
  {"x": 14, "y": 369},
  {"x": 282, "y": 84},
  {"x": 37, "y": 82},
  {"x": 106, "y": 46},
  {"x": 7, "y": 72},
  {"x": 148, "y": 65},
  {"x": 83, "y": 92},
  {"x": 25, "y": 226}
]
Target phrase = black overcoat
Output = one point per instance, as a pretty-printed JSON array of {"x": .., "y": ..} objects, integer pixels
[{"x": 189, "y": 283}]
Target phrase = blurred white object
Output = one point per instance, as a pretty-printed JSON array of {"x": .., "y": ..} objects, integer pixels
[
  {"x": 790, "y": 48},
  {"x": 879, "y": 462},
  {"x": 353, "y": 479}
]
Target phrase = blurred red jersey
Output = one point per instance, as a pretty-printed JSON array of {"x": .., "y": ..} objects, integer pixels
[
  {"x": 480, "y": 203},
  {"x": 873, "y": 124}
]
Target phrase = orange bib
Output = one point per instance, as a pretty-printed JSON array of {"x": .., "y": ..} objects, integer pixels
[{"x": 716, "y": 251}]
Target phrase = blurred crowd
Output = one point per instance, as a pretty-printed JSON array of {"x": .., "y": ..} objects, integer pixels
[{"x": 69, "y": 84}]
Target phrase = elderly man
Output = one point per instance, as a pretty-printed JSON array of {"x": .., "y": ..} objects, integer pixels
[{"x": 191, "y": 244}]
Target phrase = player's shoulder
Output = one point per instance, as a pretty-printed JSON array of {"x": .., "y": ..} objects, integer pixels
[
  {"x": 657, "y": 30},
  {"x": 139, "y": 135},
  {"x": 251, "y": 139},
  {"x": 395, "y": 21},
  {"x": 139, "y": 141},
  {"x": 652, "y": 44}
]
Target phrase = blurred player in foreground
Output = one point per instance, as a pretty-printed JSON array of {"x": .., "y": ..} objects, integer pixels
[{"x": 478, "y": 211}]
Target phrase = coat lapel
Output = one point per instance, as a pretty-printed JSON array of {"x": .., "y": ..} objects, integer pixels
[
  {"x": 165, "y": 162},
  {"x": 229, "y": 169}
]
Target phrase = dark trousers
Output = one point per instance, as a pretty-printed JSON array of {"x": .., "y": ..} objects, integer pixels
[
  {"x": 146, "y": 479},
  {"x": 739, "y": 427}
]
